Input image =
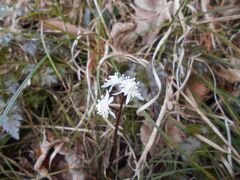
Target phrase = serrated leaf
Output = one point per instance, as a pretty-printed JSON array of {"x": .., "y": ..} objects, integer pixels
[
  {"x": 11, "y": 86},
  {"x": 29, "y": 68},
  {"x": 48, "y": 78},
  {"x": 5, "y": 38},
  {"x": 11, "y": 124},
  {"x": 190, "y": 146},
  {"x": 30, "y": 47}
]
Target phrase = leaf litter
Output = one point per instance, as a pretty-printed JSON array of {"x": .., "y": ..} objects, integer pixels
[
  {"x": 147, "y": 22},
  {"x": 186, "y": 56},
  {"x": 69, "y": 161}
]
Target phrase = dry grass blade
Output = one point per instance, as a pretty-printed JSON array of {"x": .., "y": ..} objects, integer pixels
[
  {"x": 204, "y": 117},
  {"x": 58, "y": 26},
  {"x": 176, "y": 64},
  {"x": 154, "y": 132}
]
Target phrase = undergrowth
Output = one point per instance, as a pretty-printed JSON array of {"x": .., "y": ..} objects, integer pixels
[{"x": 55, "y": 56}]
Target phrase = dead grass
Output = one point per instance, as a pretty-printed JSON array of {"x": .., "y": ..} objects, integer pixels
[{"x": 55, "y": 56}]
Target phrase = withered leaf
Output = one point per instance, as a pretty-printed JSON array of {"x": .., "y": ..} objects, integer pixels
[
  {"x": 175, "y": 133},
  {"x": 122, "y": 34},
  {"x": 58, "y": 26},
  {"x": 149, "y": 16},
  {"x": 66, "y": 159},
  {"x": 229, "y": 74},
  {"x": 145, "y": 132},
  {"x": 199, "y": 89}
]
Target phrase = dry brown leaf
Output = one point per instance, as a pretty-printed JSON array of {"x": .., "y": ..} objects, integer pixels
[
  {"x": 199, "y": 89},
  {"x": 146, "y": 24},
  {"x": 174, "y": 132},
  {"x": 42, "y": 165},
  {"x": 235, "y": 92},
  {"x": 126, "y": 172},
  {"x": 57, "y": 149},
  {"x": 231, "y": 75},
  {"x": 61, "y": 158},
  {"x": 58, "y": 26},
  {"x": 145, "y": 132},
  {"x": 149, "y": 16},
  {"x": 205, "y": 40},
  {"x": 76, "y": 166},
  {"x": 122, "y": 34}
]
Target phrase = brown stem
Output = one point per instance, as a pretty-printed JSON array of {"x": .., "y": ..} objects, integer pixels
[{"x": 115, "y": 140}]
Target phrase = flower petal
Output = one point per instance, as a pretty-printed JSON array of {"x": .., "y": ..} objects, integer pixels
[
  {"x": 112, "y": 114},
  {"x": 128, "y": 99}
]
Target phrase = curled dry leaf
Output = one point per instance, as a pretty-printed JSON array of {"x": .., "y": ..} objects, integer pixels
[
  {"x": 121, "y": 33},
  {"x": 149, "y": 16},
  {"x": 48, "y": 143},
  {"x": 58, "y": 26},
  {"x": 61, "y": 158}
]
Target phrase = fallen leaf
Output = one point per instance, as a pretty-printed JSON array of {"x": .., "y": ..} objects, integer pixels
[
  {"x": 76, "y": 166},
  {"x": 122, "y": 35},
  {"x": 42, "y": 164},
  {"x": 149, "y": 16},
  {"x": 56, "y": 156},
  {"x": 174, "y": 132},
  {"x": 125, "y": 172},
  {"x": 206, "y": 41},
  {"x": 229, "y": 74},
  {"x": 145, "y": 133},
  {"x": 199, "y": 89},
  {"x": 58, "y": 26},
  {"x": 57, "y": 149}
]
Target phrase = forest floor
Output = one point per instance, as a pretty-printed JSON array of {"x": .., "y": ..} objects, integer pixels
[{"x": 110, "y": 89}]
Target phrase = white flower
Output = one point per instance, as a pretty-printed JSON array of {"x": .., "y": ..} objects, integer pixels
[
  {"x": 129, "y": 87},
  {"x": 103, "y": 106},
  {"x": 113, "y": 81}
]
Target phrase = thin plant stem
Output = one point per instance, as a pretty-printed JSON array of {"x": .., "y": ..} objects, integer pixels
[{"x": 115, "y": 138}]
